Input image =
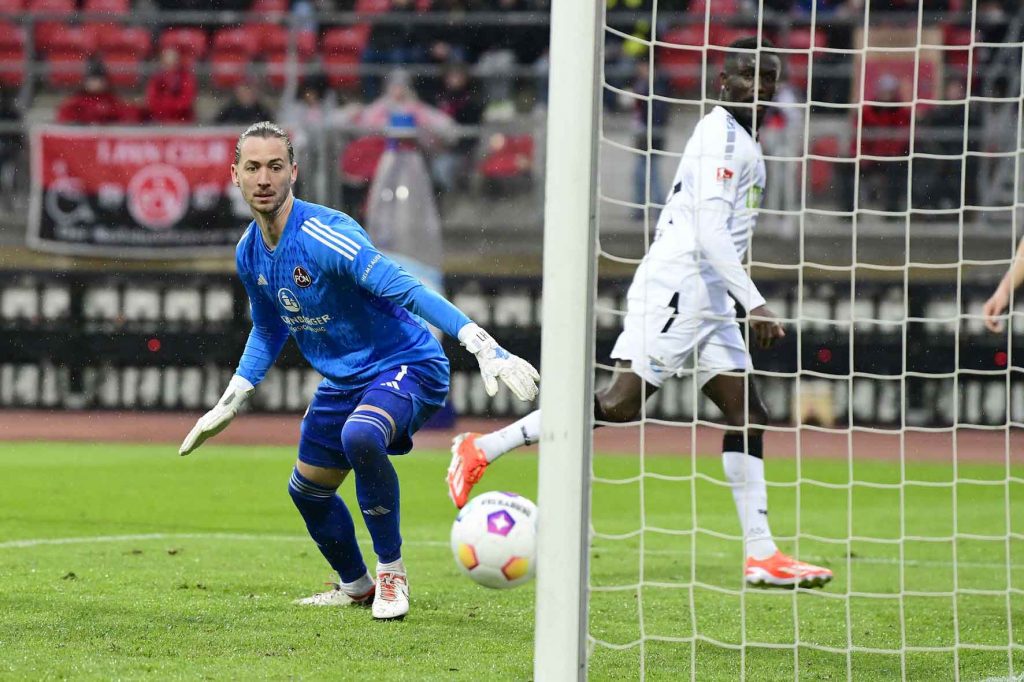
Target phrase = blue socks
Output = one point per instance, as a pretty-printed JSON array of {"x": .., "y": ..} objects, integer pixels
[
  {"x": 330, "y": 526},
  {"x": 365, "y": 438}
]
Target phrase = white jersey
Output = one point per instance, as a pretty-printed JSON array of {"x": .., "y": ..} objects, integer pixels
[{"x": 707, "y": 223}]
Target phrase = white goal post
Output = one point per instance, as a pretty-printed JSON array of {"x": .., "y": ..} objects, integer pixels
[{"x": 567, "y": 344}]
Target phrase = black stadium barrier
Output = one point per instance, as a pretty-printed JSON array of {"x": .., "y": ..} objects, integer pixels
[{"x": 170, "y": 340}]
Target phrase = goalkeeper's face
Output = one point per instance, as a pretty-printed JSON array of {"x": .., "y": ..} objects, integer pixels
[
  {"x": 264, "y": 174},
  {"x": 742, "y": 77}
]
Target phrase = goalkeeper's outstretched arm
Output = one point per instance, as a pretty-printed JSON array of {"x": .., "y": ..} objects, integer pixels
[
  {"x": 997, "y": 304},
  {"x": 266, "y": 339}
]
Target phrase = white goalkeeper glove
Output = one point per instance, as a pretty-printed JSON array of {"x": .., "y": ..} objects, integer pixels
[
  {"x": 497, "y": 363},
  {"x": 217, "y": 419}
]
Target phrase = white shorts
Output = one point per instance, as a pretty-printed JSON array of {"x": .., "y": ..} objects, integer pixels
[{"x": 661, "y": 343}]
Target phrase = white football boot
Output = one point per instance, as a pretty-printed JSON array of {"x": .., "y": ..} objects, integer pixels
[
  {"x": 392, "y": 597},
  {"x": 338, "y": 597}
]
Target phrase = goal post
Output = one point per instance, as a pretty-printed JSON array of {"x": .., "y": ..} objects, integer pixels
[
  {"x": 567, "y": 343},
  {"x": 895, "y": 437}
]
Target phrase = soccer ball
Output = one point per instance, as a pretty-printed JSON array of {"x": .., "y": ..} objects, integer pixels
[{"x": 494, "y": 539}]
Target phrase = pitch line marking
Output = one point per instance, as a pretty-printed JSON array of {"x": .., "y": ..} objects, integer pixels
[{"x": 254, "y": 537}]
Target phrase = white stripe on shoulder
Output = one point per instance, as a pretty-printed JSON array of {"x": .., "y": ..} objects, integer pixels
[
  {"x": 327, "y": 234},
  {"x": 326, "y": 243},
  {"x": 244, "y": 235},
  {"x": 338, "y": 234}
]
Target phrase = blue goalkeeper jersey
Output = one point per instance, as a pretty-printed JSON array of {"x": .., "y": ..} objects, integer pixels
[{"x": 354, "y": 313}]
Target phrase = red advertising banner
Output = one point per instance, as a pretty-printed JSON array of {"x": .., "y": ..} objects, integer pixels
[{"x": 135, "y": 192}]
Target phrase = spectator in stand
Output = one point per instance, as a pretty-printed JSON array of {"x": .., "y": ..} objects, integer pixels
[
  {"x": 885, "y": 132},
  {"x": 460, "y": 102},
  {"x": 95, "y": 103},
  {"x": 657, "y": 125},
  {"x": 244, "y": 107},
  {"x": 941, "y": 131},
  {"x": 392, "y": 43},
  {"x": 399, "y": 107},
  {"x": 171, "y": 92}
]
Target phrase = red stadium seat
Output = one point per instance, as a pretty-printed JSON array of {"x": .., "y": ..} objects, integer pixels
[
  {"x": 511, "y": 157},
  {"x": 12, "y": 36},
  {"x": 228, "y": 69},
  {"x": 351, "y": 41},
  {"x": 272, "y": 38},
  {"x": 360, "y": 158},
  {"x": 269, "y": 7},
  {"x": 823, "y": 172},
  {"x": 61, "y": 38},
  {"x": 12, "y": 66},
  {"x": 65, "y": 70},
  {"x": 796, "y": 64},
  {"x": 719, "y": 8},
  {"x": 189, "y": 42},
  {"x": 373, "y": 6},
  {"x": 133, "y": 39},
  {"x": 277, "y": 66},
  {"x": 106, "y": 6},
  {"x": 342, "y": 70},
  {"x": 13, "y": 7},
  {"x": 124, "y": 69},
  {"x": 245, "y": 40},
  {"x": 61, "y": 7},
  {"x": 680, "y": 65},
  {"x": 957, "y": 35},
  {"x": 306, "y": 43}
]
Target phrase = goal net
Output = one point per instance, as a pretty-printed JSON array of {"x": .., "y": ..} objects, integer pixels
[{"x": 894, "y": 455}]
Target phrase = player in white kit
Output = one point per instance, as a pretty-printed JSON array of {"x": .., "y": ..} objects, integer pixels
[{"x": 680, "y": 314}]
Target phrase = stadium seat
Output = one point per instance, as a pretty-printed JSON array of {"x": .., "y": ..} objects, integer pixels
[
  {"x": 241, "y": 40},
  {"x": 273, "y": 38},
  {"x": 124, "y": 69},
  {"x": 680, "y": 65},
  {"x": 12, "y": 7},
  {"x": 190, "y": 43},
  {"x": 719, "y": 8},
  {"x": 269, "y": 7},
  {"x": 510, "y": 157},
  {"x": 65, "y": 69},
  {"x": 11, "y": 36},
  {"x": 228, "y": 69},
  {"x": 106, "y": 6},
  {"x": 796, "y": 64},
  {"x": 12, "y": 55},
  {"x": 61, "y": 7},
  {"x": 360, "y": 158},
  {"x": 12, "y": 66},
  {"x": 276, "y": 68},
  {"x": 342, "y": 70},
  {"x": 133, "y": 39},
  {"x": 957, "y": 35},
  {"x": 373, "y": 6},
  {"x": 60, "y": 38},
  {"x": 822, "y": 173},
  {"x": 351, "y": 40}
]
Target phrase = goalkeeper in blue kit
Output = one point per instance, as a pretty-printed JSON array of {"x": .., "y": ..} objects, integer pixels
[{"x": 358, "y": 318}]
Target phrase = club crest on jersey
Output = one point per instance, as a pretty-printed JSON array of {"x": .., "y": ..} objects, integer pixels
[
  {"x": 301, "y": 277},
  {"x": 288, "y": 300},
  {"x": 723, "y": 175}
]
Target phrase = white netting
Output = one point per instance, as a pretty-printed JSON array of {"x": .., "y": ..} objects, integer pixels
[{"x": 893, "y": 205}]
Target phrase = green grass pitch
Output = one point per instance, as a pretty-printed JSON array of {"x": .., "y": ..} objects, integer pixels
[{"x": 186, "y": 568}]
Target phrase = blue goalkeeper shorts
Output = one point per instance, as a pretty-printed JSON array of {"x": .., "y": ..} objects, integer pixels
[{"x": 320, "y": 439}]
